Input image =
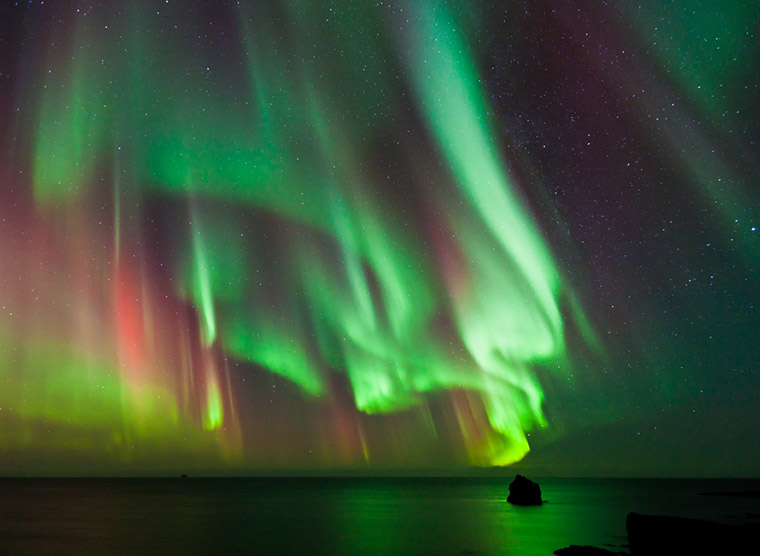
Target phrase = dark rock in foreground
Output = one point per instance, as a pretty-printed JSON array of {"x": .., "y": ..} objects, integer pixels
[
  {"x": 575, "y": 550},
  {"x": 656, "y": 534},
  {"x": 735, "y": 494},
  {"x": 524, "y": 492}
]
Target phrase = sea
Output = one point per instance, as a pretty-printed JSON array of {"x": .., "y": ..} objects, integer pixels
[{"x": 353, "y": 516}]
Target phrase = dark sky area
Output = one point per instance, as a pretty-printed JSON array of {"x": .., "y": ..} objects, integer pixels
[{"x": 305, "y": 236}]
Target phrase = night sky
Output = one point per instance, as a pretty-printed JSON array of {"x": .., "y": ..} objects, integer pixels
[{"x": 311, "y": 236}]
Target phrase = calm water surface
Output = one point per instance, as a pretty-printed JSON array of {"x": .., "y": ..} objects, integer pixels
[{"x": 340, "y": 516}]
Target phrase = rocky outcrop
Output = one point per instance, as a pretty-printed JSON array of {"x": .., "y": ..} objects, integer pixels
[
  {"x": 524, "y": 492},
  {"x": 575, "y": 550},
  {"x": 659, "y": 534}
]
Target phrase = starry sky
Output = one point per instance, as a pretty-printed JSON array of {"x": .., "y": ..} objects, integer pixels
[{"x": 336, "y": 236}]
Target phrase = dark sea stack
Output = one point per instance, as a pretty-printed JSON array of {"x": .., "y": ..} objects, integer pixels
[
  {"x": 575, "y": 550},
  {"x": 524, "y": 492},
  {"x": 656, "y": 534}
]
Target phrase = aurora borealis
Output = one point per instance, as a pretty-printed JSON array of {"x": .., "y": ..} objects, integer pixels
[{"x": 345, "y": 235}]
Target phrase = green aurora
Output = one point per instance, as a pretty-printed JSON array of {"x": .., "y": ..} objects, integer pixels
[{"x": 321, "y": 199}]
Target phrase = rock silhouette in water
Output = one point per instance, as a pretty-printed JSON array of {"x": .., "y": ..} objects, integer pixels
[{"x": 524, "y": 492}]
